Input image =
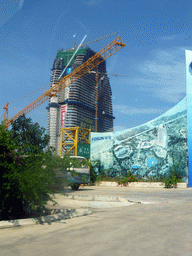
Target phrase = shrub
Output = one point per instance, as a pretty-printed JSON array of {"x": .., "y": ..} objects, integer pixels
[
  {"x": 93, "y": 175},
  {"x": 26, "y": 184},
  {"x": 127, "y": 179},
  {"x": 10, "y": 166},
  {"x": 174, "y": 178},
  {"x": 124, "y": 181}
]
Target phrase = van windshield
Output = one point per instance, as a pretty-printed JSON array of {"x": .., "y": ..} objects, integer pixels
[{"x": 80, "y": 159}]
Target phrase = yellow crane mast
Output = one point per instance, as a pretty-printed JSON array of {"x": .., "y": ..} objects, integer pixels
[{"x": 99, "y": 57}]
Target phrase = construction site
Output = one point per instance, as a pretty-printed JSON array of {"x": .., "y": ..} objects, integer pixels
[
  {"x": 80, "y": 97},
  {"x": 75, "y": 106}
]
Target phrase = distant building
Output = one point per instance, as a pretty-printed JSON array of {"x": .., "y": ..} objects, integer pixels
[{"x": 75, "y": 105}]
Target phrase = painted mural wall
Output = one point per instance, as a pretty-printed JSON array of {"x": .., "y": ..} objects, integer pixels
[{"x": 145, "y": 150}]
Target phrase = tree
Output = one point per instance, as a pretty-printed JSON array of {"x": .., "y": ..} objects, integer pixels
[
  {"x": 27, "y": 171},
  {"x": 23, "y": 179},
  {"x": 10, "y": 165},
  {"x": 30, "y": 137}
]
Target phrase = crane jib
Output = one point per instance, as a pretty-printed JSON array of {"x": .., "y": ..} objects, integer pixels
[{"x": 87, "y": 66}]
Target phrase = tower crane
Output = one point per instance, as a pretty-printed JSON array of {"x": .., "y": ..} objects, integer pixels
[
  {"x": 92, "y": 41},
  {"x": 87, "y": 66},
  {"x": 97, "y": 84}
]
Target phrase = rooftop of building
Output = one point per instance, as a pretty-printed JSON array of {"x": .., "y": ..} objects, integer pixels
[{"x": 66, "y": 55}]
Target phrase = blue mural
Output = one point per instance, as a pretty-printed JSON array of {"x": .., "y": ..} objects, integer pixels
[{"x": 147, "y": 150}]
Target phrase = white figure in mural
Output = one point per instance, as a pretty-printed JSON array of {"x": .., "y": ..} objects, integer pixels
[
  {"x": 162, "y": 137},
  {"x": 162, "y": 142}
]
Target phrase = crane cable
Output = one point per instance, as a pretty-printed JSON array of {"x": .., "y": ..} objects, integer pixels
[
  {"x": 49, "y": 86},
  {"x": 14, "y": 108},
  {"x": 30, "y": 93}
]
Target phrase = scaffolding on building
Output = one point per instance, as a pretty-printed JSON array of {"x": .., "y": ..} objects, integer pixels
[{"x": 75, "y": 141}]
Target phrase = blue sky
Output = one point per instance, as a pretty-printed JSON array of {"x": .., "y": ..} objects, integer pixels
[{"x": 156, "y": 34}]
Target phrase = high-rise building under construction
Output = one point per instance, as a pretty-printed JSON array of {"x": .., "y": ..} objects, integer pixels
[{"x": 75, "y": 105}]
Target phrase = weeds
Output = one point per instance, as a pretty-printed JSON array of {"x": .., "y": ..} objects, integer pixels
[{"x": 174, "y": 177}]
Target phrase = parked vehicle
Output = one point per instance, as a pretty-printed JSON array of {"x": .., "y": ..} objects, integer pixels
[
  {"x": 81, "y": 175},
  {"x": 75, "y": 176}
]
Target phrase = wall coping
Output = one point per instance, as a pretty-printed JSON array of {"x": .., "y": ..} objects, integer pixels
[{"x": 139, "y": 184}]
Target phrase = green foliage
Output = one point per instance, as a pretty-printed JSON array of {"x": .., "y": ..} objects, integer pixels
[
  {"x": 33, "y": 179},
  {"x": 10, "y": 166},
  {"x": 174, "y": 178},
  {"x": 93, "y": 175},
  {"x": 127, "y": 179},
  {"x": 65, "y": 165},
  {"x": 102, "y": 176},
  {"x": 28, "y": 173},
  {"x": 84, "y": 178},
  {"x": 26, "y": 182},
  {"x": 61, "y": 166},
  {"x": 30, "y": 137},
  {"x": 123, "y": 181},
  {"x": 120, "y": 179}
]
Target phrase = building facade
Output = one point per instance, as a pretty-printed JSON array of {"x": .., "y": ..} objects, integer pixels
[{"x": 75, "y": 106}]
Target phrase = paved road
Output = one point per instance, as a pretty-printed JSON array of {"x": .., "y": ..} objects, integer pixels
[
  {"x": 161, "y": 228},
  {"x": 138, "y": 194}
]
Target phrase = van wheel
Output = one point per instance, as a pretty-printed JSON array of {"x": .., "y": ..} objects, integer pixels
[{"x": 75, "y": 186}]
